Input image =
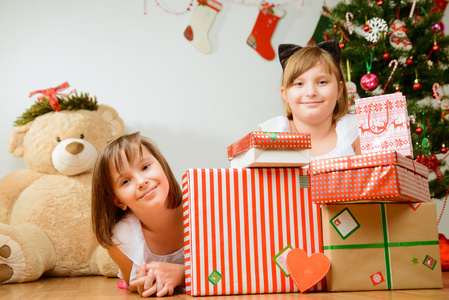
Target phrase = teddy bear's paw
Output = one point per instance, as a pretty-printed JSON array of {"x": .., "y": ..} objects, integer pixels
[{"x": 12, "y": 260}]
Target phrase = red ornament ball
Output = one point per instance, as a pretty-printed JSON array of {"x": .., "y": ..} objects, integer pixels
[
  {"x": 366, "y": 28},
  {"x": 386, "y": 56},
  {"x": 417, "y": 86},
  {"x": 436, "y": 48},
  {"x": 369, "y": 82},
  {"x": 443, "y": 150},
  {"x": 409, "y": 62},
  {"x": 418, "y": 130},
  {"x": 342, "y": 45},
  {"x": 380, "y": 2}
]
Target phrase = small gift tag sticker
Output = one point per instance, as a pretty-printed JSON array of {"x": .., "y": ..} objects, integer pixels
[
  {"x": 307, "y": 271},
  {"x": 281, "y": 260},
  {"x": 214, "y": 277},
  {"x": 272, "y": 135},
  {"x": 345, "y": 223},
  {"x": 377, "y": 278},
  {"x": 429, "y": 262}
]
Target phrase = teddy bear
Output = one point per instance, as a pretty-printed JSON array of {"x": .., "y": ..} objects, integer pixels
[{"x": 45, "y": 210}]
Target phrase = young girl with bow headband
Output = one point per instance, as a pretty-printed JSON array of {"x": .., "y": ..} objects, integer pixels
[{"x": 315, "y": 100}]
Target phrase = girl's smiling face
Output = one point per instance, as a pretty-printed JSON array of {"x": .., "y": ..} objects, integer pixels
[
  {"x": 313, "y": 95},
  {"x": 140, "y": 185}
]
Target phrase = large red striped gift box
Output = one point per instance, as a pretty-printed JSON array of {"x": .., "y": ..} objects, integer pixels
[
  {"x": 375, "y": 177},
  {"x": 239, "y": 225},
  {"x": 270, "y": 149}
]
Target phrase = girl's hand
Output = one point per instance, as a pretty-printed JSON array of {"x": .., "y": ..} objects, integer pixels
[
  {"x": 168, "y": 276},
  {"x": 145, "y": 281}
]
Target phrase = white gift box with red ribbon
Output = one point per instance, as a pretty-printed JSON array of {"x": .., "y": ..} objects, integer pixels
[
  {"x": 384, "y": 124},
  {"x": 239, "y": 224},
  {"x": 270, "y": 149}
]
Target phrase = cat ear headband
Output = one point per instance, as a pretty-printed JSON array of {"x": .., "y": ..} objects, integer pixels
[{"x": 330, "y": 46}]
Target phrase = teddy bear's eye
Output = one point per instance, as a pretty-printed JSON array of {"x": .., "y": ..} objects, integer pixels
[
  {"x": 58, "y": 139},
  {"x": 81, "y": 136}
]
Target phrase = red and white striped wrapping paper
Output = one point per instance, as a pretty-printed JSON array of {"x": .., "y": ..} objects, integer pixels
[
  {"x": 237, "y": 220},
  {"x": 384, "y": 124},
  {"x": 381, "y": 176}
]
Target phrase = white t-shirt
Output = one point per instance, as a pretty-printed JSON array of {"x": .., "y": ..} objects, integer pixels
[
  {"x": 128, "y": 236},
  {"x": 346, "y": 128}
]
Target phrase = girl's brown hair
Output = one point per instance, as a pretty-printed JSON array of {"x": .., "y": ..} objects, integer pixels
[
  {"x": 303, "y": 60},
  {"x": 105, "y": 214}
]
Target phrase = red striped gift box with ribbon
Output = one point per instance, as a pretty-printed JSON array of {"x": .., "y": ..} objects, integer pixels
[{"x": 239, "y": 223}]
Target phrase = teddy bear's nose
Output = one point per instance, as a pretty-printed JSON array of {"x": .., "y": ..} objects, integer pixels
[{"x": 74, "y": 148}]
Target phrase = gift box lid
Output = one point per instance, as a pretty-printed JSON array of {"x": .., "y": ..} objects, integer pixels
[
  {"x": 269, "y": 140},
  {"x": 322, "y": 166}
]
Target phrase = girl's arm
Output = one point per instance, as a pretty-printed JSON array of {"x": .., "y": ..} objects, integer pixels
[
  {"x": 356, "y": 146},
  {"x": 124, "y": 263}
]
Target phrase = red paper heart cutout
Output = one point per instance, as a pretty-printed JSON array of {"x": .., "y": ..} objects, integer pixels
[{"x": 307, "y": 271}]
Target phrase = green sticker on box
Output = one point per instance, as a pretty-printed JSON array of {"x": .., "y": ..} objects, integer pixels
[
  {"x": 272, "y": 135},
  {"x": 281, "y": 260},
  {"x": 345, "y": 223},
  {"x": 214, "y": 277}
]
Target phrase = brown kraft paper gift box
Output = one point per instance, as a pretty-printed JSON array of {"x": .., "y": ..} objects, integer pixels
[{"x": 381, "y": 246}]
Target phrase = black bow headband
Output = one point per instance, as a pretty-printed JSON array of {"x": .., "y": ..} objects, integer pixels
[{"x": 330, "y": 46}]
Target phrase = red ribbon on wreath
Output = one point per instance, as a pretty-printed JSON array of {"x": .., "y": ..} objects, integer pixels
[
  {"x": 52, "y": 93},
  {"x": 431, "y": 163}
]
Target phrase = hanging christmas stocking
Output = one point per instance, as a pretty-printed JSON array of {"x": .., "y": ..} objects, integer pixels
[
  {"x": 266, "y": 22},
  {"x": 202, "y": 19}
]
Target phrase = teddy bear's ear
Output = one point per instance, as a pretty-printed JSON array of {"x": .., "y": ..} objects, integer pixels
[
  {"x": 15, "y": 141},
  {"x": 112, "y": 117}
]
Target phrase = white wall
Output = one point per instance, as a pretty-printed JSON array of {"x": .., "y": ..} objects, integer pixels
[{"x": 192, "y": 105}]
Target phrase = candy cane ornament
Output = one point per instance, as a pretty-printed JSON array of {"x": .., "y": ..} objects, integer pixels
[
  {"x": 395, "y": 62},
  {"x": 412, "y": 118},
  {"x": 435, "y": 93},
  {"x": 412, "y": 9},
  {"x": 348, "y": 23}
]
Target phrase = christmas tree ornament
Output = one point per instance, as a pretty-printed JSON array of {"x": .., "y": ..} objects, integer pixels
[
  {"x": 260, "y": 37},
  {"x": 443, "y": 149},
  {"x": 435, "y": 93},
  {"x": 378, "y": 27},
  {"x": 412, "y": 9},
  {"x": 369, "y": 82},
  {"x": 398, "y": 36},
  {"x": 202, "y": 19},
  {"x": 351, "y": 87},
  {"x": 409, "y": 62},
  {"x": 380, "y": 2},
  {"x": 395, "y": 63},
  {"x": 435, "y": 47},
  {"x": 396, "y": 88},
  {"x": 366, "y": 28},
  {"x": 386, "y": 56},
  {"x": 417, "y": 85},
  {"x": 342, "y": 45},
  {"x": 348, "y": 22},
  {"x": 419, "y": 129},
  {"x": 445, "y": 108}
]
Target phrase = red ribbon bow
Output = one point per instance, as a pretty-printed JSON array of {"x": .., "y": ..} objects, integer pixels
[
  {"x": 431, "y": 163},
  {"x": 51, "y": 94}
]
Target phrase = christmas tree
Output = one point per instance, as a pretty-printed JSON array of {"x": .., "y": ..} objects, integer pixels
[{"x": 402, "y": 43}]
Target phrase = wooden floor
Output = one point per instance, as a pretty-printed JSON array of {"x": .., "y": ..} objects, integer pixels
[{"x": 98, "y": 287}]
